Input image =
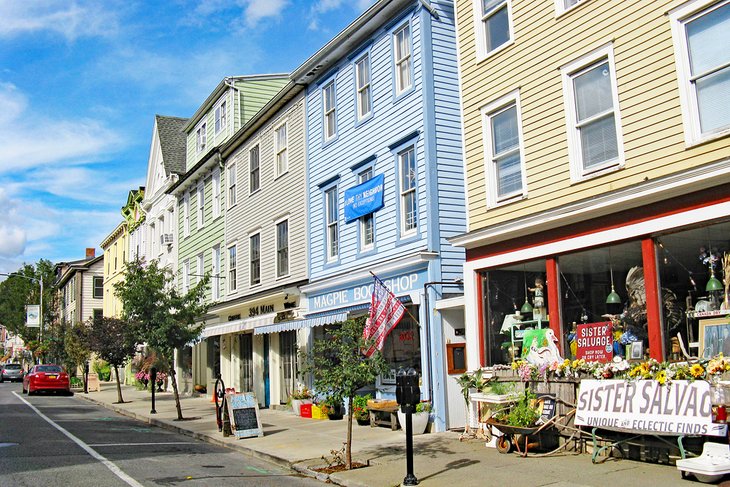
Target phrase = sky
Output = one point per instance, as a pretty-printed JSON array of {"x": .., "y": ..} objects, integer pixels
[{"x": 81, "y": 82}]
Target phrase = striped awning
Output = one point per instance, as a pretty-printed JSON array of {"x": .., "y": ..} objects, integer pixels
[
  {"x": 236, "y": 326},
  {"x": 300, "y": 324}
]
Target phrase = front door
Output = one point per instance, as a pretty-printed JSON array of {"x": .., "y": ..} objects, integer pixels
[
  {"x": 267, "y": 381},
  {"x": 288, "y": 360}
]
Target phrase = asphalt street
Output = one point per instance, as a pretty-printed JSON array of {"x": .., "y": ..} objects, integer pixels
[{"x": 54, "y": 440}]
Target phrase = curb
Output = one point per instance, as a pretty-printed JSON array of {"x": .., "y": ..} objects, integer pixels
[{"x": 299, "y": 467}]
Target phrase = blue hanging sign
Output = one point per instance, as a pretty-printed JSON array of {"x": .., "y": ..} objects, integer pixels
[{"x": 364, "y": 198}]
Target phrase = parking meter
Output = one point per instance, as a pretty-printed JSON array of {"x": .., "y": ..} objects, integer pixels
[{"x": 407, "y": 392}]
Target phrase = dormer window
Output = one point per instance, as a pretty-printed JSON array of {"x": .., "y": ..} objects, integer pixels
[{"x": 200, "y": 137}]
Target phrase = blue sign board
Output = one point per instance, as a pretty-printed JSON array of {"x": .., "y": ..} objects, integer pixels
[{"x": 364, "y": 198}]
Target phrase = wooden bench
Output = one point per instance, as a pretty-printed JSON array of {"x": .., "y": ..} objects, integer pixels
[{"x": 383, "y": 413}]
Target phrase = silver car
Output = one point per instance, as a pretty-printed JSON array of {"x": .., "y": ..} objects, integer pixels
[{"x": 12, "y": 372}]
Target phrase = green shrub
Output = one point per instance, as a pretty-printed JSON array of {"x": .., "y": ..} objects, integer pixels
[
  {"x": 524, "y": 414},
  {"x": 103, "y": 369},
  {"x": 423, "y": 407},
  {"x": 360, "y": 406},
  {"x": 501, "y": 388}
]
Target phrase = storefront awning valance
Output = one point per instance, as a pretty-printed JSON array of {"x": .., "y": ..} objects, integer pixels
[
  {"x": 238, "y": 325},
  {"x": 300, "y": 324}
]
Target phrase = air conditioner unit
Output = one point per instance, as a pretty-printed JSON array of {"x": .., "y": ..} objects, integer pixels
[{"x": 166, "y": 238}]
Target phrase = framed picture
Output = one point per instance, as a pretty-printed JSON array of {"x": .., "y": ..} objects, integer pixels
[
  {"x": 635, "y": 351},
  {"x": 714, "y": 337}
]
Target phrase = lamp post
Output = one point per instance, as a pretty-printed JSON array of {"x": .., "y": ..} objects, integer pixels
[{"x": 40, "y": 281}]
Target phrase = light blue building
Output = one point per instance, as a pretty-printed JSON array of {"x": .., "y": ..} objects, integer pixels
[{"x": 386, "y": 188}]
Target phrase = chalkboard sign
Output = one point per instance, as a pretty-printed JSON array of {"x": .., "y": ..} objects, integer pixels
[
  {"x": 243, "y": 409},
  {"x": 546, "y": 403}
]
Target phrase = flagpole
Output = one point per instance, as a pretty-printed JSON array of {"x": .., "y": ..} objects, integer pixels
[{"x": 391, "y": 292}]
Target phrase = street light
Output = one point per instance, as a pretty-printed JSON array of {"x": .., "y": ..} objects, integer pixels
[{"x": 40, "y": 281}]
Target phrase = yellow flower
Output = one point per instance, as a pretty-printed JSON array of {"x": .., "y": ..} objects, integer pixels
[
  {"x": 661, "y": 377},
  {"x": 696, "y": 370}
]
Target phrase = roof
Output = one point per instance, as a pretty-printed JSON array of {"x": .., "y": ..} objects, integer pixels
[
  {"x": 67, "y": 269},
  {"x": 352, "y": 37},
  {"x": 172, "y": 142}
]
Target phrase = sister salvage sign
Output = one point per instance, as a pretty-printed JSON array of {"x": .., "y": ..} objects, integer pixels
[{"x": 647, "y": 407}]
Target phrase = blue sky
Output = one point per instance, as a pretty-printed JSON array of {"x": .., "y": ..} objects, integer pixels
[{"x": 81, "y": 81}]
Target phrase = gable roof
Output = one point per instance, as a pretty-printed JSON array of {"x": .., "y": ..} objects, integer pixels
[{"x": 172, "y": 142}]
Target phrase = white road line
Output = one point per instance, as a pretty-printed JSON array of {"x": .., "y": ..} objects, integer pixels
[
  {"x": 110, "y": 465},
  {"x": 145, "y": 444}
]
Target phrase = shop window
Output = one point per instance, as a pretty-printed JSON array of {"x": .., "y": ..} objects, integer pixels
[
  {"x": 402, "y": 347},
  {"x": 214, "y": 356},
  {"x": 246, "y": 354},
  {"x": 515, "y": 296},
  {"x": 691, "y": 299},
  {"x": 587, "y": 280}
]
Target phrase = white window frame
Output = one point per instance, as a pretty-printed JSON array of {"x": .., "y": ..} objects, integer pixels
[
  {"x": 200, "y": 204},
  {"x": 231, "y": 193},
  {"x": 232, "y": 267},
  {"x": 561, "y": 8},
  {"x": 568, "y": 73},
  {"x": 403, "y": 194},
  {"x": 200, "y": 267},
  {"x": 277, "y": 223},
  {"x": 329, "y": 112},
  {"x": 186, "y": 276},
  {"x": 366, "y": 175},
  {"x": 251, "y": 259},
  {"x": 215, "y": 261},
  {"x": 332, "y": 247},
  {"x": 186, "y": 216},
  {"x": 480, "y": 29},
  {"x": 679, "y": 18},
  {"x": 254, "y": 172},
  {"x": 490, "y": 170},
  {"x": 282, "y": 153},
  {"x": 399, "y": 86},
  {"x": 365, "y": 91},
  {"x": 201, "y": 136},
  {"x": 216, "y": 192},
  {"x": 221, "y": 116}
]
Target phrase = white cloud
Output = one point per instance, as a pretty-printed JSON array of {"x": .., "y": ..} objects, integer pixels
[
  {"x": 257, "y": 10},
  {"x": 30, "y": 140},
  {"x": 70, "y": 19}
]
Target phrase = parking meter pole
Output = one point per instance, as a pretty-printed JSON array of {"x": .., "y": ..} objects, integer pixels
[
  {"x": 408, "y": 394},
  {"x": 153, "y": 382},
  {"x": 86, "y": 377}
]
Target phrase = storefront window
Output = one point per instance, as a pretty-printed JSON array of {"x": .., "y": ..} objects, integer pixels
[
  {"x": 515, "y": 296},
  {"x": 214, "y": 356},
  {"x": 603, "y": 284},
  {"x": 692, "y": 303},
  {"x": 402, "y": 348}
]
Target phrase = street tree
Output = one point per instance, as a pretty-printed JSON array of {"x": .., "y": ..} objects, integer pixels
[
  {"x": 22, "y": 287},
  {"x": 113, "y": 340},
  {"x": 339, "y": 368},
  {"x": 159, "y": 315},
  {"x": 76, "y": 346}
]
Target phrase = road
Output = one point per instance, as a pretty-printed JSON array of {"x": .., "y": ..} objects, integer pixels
[{"x": 54, "y": 441}]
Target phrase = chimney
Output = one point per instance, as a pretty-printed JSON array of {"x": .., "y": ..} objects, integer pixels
[{"x": 90, "y": 252}]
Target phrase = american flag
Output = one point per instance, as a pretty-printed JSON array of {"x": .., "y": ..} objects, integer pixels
[{"x": 386, "y": 311}]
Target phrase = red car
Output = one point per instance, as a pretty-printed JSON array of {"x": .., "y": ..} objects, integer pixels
[{"x": 47, "y": 377}]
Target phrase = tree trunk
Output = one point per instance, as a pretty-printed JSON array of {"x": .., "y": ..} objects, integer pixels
[
  {"x": 119, "y": 386},
  {"x": 348, "y": 447},
  {"x": 173, "y": 378}
]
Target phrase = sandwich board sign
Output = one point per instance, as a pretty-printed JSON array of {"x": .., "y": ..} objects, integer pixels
[{"x": 243, "y": 410}]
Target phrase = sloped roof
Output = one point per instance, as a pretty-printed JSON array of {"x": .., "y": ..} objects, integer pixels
[{"x": 172, "y": 142}]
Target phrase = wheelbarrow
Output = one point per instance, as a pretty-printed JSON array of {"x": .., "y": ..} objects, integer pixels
[{"x": 517, "y": 437}]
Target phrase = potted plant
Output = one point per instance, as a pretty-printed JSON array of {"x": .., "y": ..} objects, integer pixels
[
  {"x": 419, "y": 419},
  {"x": 360, "y": 409},
  {"x": 299, "y": 397},
  {"x": 332, "y": 406}
]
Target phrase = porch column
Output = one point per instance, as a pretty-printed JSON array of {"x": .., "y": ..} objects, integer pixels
[{"x": 653, "y": 300}]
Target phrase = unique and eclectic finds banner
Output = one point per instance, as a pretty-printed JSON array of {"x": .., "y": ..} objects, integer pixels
[
  {"x": 364, "y": 198},
  {"x": 33, "y": 315},
  {"x": 595, "y": 341},
  {"x": 644, "y": 406}
]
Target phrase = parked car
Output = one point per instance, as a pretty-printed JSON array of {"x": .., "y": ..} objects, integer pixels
[
  {"x": 46, "y": 377},
  {"x": 13, "y": 372}
]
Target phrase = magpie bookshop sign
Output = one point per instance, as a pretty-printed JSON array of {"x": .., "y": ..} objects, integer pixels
[
  {"x": 364, "y": 198},
  {"x": 646, "y": 407}
]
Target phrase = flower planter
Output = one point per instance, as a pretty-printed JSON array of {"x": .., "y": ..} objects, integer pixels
[
  {"x": 296, "y": 405},
  {"x": 419, "y": 421}
]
